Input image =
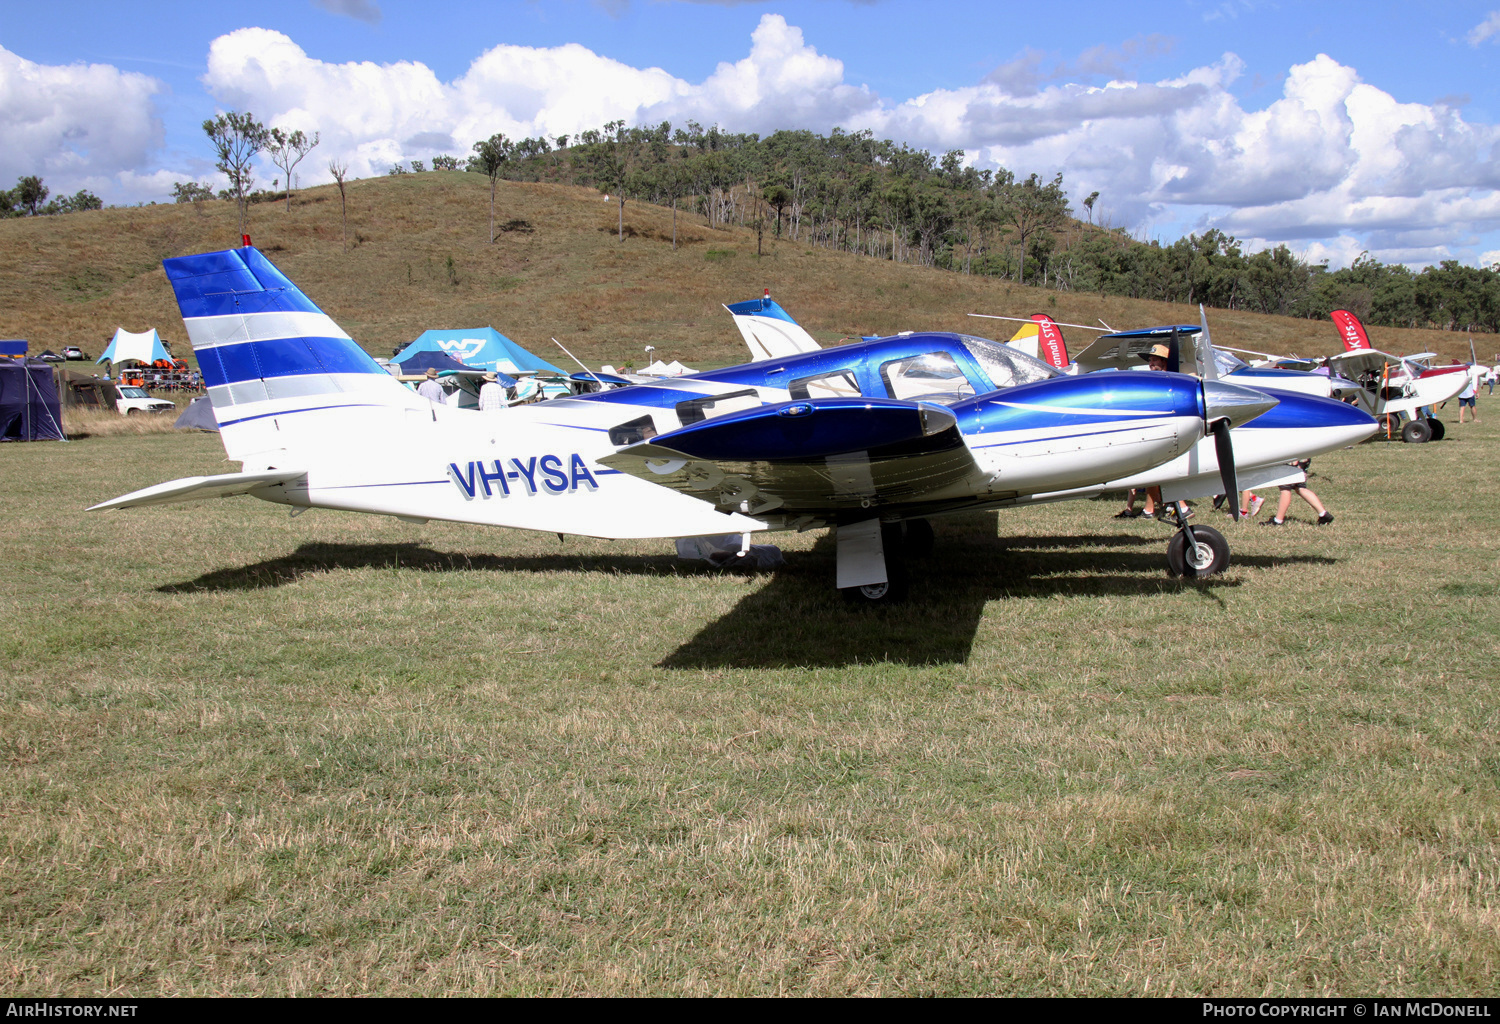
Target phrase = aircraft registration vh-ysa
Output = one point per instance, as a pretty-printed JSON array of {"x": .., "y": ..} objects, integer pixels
[{"x": 868, "y": 438}]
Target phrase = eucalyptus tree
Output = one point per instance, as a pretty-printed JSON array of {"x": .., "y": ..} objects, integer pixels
[
  {"x": 1030, "y": 206},
  {"x": 340, "y": 172},
  {"x": 490, "y": 157},
  {"x": 237, "y": 138},
  {"x": 287, "y": 151}
]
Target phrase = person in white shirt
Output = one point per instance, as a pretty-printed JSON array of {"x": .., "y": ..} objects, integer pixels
[
  {"x": 491, "y": 394},
  {"x": 1468, "y": 399},
  {"x": 431, "y": 390}
]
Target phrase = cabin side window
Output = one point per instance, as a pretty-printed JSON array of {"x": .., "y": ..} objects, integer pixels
[
  {"x": 828, "y": 385},
  {"x": 634, "y": 432},
  {"x": 930, "y": 377},
  {"x": 699, "y": 409}
]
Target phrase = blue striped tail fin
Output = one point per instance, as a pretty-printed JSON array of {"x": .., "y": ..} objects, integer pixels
[{"x": 267, "y": 353}]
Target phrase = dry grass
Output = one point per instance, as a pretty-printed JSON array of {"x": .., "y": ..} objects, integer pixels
[
  {"x": 81, "y": 421},
  {"x": 343, "y": 754},
  {"x": 569, "y": 277}
]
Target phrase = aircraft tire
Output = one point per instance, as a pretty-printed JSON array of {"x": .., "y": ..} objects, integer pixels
[
  {"x": 1416, "y": 432},
  {"x": 898, "y": 581},
  {"x": 1210, "y": 557},
  {"x": 1436, "y": 426}
]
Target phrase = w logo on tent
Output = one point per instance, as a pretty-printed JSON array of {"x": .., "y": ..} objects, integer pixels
[{"x": 462, "y": 349}]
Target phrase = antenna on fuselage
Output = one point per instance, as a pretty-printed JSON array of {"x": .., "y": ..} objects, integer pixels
[{"x": 575, "y": 359}]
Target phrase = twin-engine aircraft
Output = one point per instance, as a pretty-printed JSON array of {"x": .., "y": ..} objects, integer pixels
[{"x": 868, "y": 438}]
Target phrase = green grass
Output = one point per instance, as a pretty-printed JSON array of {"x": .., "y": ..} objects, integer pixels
[{"x": 339, "y": 754}]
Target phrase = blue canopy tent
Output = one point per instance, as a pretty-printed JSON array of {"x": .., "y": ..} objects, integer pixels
[
  {"x": 145, "y": 347},
  {"x": 483, "y": 348},
  {"x": 29, "y": 409},
  {"x": 421, "y": 362}
]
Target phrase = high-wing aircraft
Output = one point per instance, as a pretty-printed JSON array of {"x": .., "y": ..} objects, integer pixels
[
  {"x": 1395, "y": 389},
  {"x": 862, "y": 438}
]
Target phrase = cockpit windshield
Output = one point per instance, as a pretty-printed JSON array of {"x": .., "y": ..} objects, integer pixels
[{"x": 1006, "y": 366}]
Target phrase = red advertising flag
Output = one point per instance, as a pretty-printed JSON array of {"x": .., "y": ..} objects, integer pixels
[
  {"x": 1050, "y": 341},
  {"x": 1351, "y": 331}
]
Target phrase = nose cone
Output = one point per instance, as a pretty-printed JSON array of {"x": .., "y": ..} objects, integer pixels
[{"x": 1234, "y": 403}]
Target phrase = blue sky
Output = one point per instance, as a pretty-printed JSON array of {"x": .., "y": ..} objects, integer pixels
[{"x": 1333, "y": 127}]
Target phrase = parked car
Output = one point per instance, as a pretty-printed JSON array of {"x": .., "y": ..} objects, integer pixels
[
  {"x": 133, "y": 401},
  {"x": 74, "y": 352}
]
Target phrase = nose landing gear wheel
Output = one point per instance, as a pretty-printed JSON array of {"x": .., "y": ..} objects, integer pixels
[{"x": 1209, "y": 554}]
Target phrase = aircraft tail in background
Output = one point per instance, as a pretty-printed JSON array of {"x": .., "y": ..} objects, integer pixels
[
  {"x": 769, "y": 331},
  {"x": 1351, "y": 331}
]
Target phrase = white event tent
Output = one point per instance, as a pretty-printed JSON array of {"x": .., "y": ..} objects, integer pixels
[{"x": 145, "y": 347}]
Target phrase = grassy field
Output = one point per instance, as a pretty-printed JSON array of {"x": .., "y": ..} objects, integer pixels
[{"x": 335, "y": 754}]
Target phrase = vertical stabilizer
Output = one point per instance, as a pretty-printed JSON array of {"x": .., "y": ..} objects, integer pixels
[
  {"x": 769, "y": 331},
  {"x": 275, "y": 364}
]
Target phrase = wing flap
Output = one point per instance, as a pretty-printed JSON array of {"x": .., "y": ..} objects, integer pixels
[
  {"x": 819, "y": 455},
  {"x": 199, "y": 488}
]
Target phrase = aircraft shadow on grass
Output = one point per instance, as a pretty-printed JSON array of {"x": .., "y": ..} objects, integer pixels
[
  {"x": 311, "y": 559},
  {"x": 794, "y": 620}
]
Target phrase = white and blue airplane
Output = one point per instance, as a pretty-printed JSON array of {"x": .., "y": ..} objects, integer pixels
[
  {"x": 861, "y": 438},
  {"x": 1259, "y": 453}
]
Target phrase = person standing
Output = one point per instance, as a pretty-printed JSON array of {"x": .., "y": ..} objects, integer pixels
[
  {"x": 1302, "y": 491},
  {"x": 1156, "y": 359},
  {"x": 1468, "y": 399},
  {"x": 491, "y": 394},
  {"x": 431, "y": 390}
]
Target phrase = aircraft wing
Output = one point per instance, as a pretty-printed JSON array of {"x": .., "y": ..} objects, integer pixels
[
  {"x": 1125, "y": 350},
  {"x": 1365, "y": 360},
  {"x": 197, "y": 488},
  {"x": 815, "y": 456}
]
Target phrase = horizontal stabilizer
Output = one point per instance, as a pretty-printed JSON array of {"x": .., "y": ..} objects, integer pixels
[{"x": 198, "y": 488}]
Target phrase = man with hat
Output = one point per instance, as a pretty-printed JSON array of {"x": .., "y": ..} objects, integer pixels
[
  {"x": 1156, "y": 359},
  {"x": 491, "y": 394},
  {"x": 431, "y": 390}
]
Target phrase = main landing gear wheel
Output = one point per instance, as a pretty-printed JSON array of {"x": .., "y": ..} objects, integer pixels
[
  {"x": 898, "y": 580},
  {"x": 1437, "y": 428},
  {"x": 1416, "y": 432},
  {"x": 1390, "y": 425},
  {"x": 1209, "y": 554}
]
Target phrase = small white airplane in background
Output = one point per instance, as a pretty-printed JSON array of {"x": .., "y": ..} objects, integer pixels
[{"x": 1395, "y": 389}]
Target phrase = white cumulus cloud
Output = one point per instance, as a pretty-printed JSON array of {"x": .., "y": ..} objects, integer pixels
[
  {"x": 1333, "y": 165},
  {"x": 76, "y": 125}
]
